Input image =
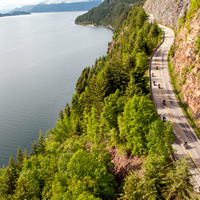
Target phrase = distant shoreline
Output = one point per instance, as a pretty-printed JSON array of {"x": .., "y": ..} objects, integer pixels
[{"x": 16, "y": 13}]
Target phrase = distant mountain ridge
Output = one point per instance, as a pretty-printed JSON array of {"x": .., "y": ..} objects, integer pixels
[
  {"x": 24, "y": 8},
  {"x": 60, "y": 7}
]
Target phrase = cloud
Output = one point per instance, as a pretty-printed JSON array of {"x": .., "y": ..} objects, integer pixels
[
  {"x": 11, "y": 4},
  {"x": 7, "y": 5},
  {"x": 61, "y": 1}
]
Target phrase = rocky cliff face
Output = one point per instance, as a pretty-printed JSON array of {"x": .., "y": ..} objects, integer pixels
[
  {"x": 167, "y": 12},
  {"x": 187, "y": 67},
  {"x": 185, "y": 62}
]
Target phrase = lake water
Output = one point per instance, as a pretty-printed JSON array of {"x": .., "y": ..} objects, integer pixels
[{"x": 41, "y": 57}]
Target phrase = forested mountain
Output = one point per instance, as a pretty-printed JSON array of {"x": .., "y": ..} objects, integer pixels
[
  {"x": 110, "y": 108},
  {"x": 110, "y": 12}
]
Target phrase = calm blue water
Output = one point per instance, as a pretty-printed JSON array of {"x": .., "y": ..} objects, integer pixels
[{"x": 41, "y": 57}]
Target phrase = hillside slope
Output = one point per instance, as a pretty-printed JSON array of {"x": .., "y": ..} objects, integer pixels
[{"x": 185, "y": 62}]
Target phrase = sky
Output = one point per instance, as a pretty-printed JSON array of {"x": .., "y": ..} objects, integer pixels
[{"x": 7, "y": 5}]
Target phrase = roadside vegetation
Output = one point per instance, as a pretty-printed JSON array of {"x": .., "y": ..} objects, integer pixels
[
  {"x": 111, "y": 107},
  {"x": 197, "y": 45}
]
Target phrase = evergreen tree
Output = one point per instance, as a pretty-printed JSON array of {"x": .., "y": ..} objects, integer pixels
[
  {"x": 41, "y": 144},
  {"x": 156, "y": 168},
  {"x": 61, "y": 116},
  {"x": 93, "y": 126},
  {"x": 7, "y": 184},
  {"x": 179, "y": 185},
  {"x": 160, "y": 138},
  {"x": 34, "y": 150},
  {"x": 133, "y": 187},
  {"x": 138, "y": 115},
  {"x": 20, "y": 160},
  {"x": 67, "y": 110}
]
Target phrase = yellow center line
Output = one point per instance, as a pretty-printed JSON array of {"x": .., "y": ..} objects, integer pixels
[{"x": 172, "y": 118}]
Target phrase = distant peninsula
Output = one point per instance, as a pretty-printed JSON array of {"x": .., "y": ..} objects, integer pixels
[{"x": 15, "y": 13}]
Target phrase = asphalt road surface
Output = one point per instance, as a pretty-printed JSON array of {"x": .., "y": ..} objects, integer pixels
[{"x": 171, "y": 110}]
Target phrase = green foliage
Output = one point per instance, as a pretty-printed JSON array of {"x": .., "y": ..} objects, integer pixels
[
  {"x": 161, "y": 180},
  {"x": 138, "y": 114},
  {"x": 179, "y": 185},
  {"x": 93, "y": 125},
  {"x": 67, "y": 110},
  {"x": 8, "y": 180},
  {"x": 87, "y": 196},
  {"x": 198, "y": 77},
  {"x": 184, "y": 73},
  {"x": 197, "y": 44},
  {"x": 84, "y": 168},
  {"x": 172, "y": 50},
  {"x": 182, "y": 19},
  {"x": 61, "y": 114},
  {"x": 191, "y": 67},
  {"x": 160, "y": 138},
  {"x": 114, "y": 105},
  {"x": 83, "y": 80},
  {"x": 39, "y": 147},
  {"x": 156, "y": 168},
  {"x": 133, "y": 187},
  {"x": 20, "y": 160}
]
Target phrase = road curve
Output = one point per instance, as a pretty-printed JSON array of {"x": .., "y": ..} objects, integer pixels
[{"x": 172, "y": 110}]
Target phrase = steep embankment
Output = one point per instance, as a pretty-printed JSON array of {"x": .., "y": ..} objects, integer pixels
[
  {"x": 167, "y": 12},
  {"x": 184, "y": 16}
]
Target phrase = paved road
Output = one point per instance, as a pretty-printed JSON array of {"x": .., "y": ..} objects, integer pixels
[{"x": 172, "y": 111}]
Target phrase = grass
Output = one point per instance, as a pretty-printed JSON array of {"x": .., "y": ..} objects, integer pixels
[
  {"x": 198, "y": 77},
  {"x": 184, "y": 107},
  {"x": 191, "y": 67}
]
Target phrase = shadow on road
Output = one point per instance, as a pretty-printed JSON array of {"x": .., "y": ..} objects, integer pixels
[
  {"x": 177, "y": 140},
  {"x": 186, "y": 129}
]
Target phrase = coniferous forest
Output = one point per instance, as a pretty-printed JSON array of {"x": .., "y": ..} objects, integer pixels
[{"x": 111, "y": 107}]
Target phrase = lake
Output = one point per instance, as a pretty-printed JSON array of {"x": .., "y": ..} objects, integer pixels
[{"x": 41, "y": 57}]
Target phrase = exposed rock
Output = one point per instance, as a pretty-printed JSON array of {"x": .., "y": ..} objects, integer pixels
[
  {"x": 124, "y": 163},
  {"x": 167, "y": 12}
]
